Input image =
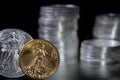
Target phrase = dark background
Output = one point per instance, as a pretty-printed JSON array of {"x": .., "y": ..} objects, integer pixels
[{"x": 24, "y": 15}]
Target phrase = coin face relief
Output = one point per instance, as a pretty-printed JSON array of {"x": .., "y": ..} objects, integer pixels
[
  {"x": 39, "y": 59},
  {"x": 11, "y": 42}
]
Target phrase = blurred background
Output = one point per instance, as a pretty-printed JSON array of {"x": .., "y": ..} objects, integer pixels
[{"x": 24, "y": 15}]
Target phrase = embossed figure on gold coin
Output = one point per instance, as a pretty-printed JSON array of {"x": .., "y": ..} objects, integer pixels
[
  {"x": 36, "y": 65},
  {"x": 39, "y": 59}
]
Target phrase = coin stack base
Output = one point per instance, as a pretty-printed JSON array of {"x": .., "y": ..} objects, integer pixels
[{"x": 100, "y": 57}]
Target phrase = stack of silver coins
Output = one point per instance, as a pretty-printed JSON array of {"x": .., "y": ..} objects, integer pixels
[
  {"x": 100, "y": 57},
  {"x": 107, "y": 26},
  {"x": 58, "y": 24}
]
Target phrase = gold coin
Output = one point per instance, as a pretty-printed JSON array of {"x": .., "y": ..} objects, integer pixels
[{"x": 39, "y": 59}]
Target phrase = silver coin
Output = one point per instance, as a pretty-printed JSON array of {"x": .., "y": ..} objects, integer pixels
[{"x": 11, "y": 42}]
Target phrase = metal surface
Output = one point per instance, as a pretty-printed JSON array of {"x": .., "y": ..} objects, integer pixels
[
  {"x": 107, "y": 26},
  {"x": 58, "y": 24},
  {"x": 100, "y": 57},
  {"x": 67, "y": 72},
  {"x": 11, "y": 42},
  {"x": 39, "y": 59},
  {"x": 99, "y": 49},
  {"x": 73, "y": 72}
]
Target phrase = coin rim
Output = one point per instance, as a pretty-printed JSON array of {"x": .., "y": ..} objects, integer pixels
[
  {"x": 20, "y": 59},
  {"x": 19, "y": 30},
  {"x": 18, "y": 53}
]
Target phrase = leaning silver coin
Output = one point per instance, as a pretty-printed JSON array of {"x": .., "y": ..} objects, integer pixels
[{"x": 11, "y": 42}]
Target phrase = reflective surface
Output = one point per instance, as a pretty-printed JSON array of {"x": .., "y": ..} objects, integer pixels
[
  {"x": 107, "y": 26},
  {"x": 67, "y": 72},
  {"x": 39, "y": 59},
  {"x": 100, "y": 50},
  {"x": 11, "y": 42},
  {"x": 58, "y": 24},
  {"x": 100, "y": 58},
  {"x": 74, "y": 72}
]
